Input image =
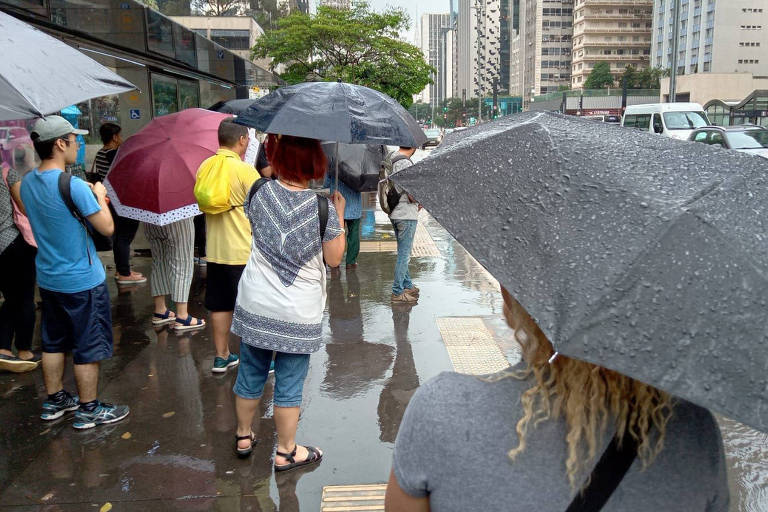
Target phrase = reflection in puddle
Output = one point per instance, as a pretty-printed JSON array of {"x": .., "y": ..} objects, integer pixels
[{"x": 746, "y": 451}]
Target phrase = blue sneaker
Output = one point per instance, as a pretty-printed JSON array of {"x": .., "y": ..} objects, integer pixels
[
  {"x": 220, "y": 364},
  {"x": 55, "y": 410},
  {"x": 103, "y": 414}
]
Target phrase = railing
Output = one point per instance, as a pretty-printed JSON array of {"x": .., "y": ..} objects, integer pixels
[{"x": 613, "y": 91}]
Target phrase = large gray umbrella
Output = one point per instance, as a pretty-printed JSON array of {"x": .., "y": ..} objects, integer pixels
[
  {"x": 634, "y": 251},
  {"x": 359, "y": 164},
  {"x": 40, "y": 75}
]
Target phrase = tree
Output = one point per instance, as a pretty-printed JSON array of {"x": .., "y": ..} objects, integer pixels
[
  {"x": 355, "y": 45},
  {"x": 600, "y": 77},
  {"x": 268, "y": 12},
  {"x": 219, "y": 7},
  {"x": 645, "y": 79}
]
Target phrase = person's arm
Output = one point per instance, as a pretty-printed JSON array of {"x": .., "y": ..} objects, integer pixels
[
  {"x": 262, "y": 164},
  {"x": 333, "y": 249},
  {"x": 397, "y": 500},
  {"x": 16, "y": 195},
  {"x": 101, "y": 220}
]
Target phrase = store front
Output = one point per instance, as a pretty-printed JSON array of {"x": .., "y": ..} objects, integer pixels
[{"x": 752, "y": 110}]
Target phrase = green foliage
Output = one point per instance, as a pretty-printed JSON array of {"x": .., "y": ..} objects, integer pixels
[
  {"x": 358, "y": 46},
  {"x": 449, "y": 113},
  {"x": 268, "y": 12},
  {"x": 562, "y": 88},
  {"x": 644, "y": 79},
  {"x": 600, "y": 77}
]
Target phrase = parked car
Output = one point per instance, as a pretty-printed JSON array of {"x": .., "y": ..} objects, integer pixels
[
  {"x": 745, "y": 138},
  {"x": 676, "y": 120},
  {"x": 434, "y": 137},
  {"x": 12, "y": 137}
]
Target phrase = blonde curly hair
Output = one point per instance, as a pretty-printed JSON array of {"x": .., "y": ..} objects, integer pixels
[{"x": 588, "y": 396}]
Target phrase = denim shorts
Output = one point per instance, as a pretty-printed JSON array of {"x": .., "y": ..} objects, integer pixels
[
  {"x": 80, "y": 323},
  {"x": 252, "y": 373}
]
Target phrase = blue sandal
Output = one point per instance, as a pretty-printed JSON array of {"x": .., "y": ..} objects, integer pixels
[
  {"x": 163, "y": 318},
  {"x": 187, "y": 325}
]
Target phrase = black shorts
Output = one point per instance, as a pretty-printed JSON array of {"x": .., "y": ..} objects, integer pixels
[
  {"x": 80, "y": 323},
  {"x": 221, "y": 286}
]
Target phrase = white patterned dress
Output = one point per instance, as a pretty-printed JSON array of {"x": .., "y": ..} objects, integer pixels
[{"x": 281, "y": 295}]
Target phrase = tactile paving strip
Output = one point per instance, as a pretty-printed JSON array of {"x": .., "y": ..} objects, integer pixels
[
  {"x": 353, "y": 498},
  {"x": 471, "y": 346},
  {"x": 423, "y": 244}
]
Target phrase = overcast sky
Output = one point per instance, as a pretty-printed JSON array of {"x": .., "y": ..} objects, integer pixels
[{"x": 414, "y": 8}]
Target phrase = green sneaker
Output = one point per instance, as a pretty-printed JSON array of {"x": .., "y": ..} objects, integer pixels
[{"x": 220, "y": 364}]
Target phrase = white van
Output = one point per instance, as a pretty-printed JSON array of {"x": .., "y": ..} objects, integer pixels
[{"x": 676, "y": 120}]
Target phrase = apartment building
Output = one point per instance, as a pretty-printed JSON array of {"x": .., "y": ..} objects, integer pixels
[
  {"x": 714, "y": 36},
  {"x": 479, "y": 54},
  {"x": 613, "y": 31}
]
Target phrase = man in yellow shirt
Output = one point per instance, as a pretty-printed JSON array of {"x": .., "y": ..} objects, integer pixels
[{"x": 228, "y": 244}]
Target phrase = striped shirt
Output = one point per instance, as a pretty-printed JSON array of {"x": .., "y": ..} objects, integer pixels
[{"x": 102, "y": 162}]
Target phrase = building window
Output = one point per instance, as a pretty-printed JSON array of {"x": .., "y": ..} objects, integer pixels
[{"x": 232, "y": 39}]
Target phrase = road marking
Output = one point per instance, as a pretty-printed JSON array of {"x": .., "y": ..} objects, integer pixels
[
  {"x": 471, "y": 346},
  {"x": 353, "y": 498}
]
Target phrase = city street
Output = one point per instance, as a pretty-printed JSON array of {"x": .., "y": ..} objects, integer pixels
[{"x": 174, "y": 452}]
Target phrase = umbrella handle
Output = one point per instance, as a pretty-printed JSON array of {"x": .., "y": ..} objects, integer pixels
[{"x": 336, "y": 161}]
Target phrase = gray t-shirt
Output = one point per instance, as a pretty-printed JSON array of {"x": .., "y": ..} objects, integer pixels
[
  {"x": 8, "y": 230},
  {"x": 457, "y": 430},
  {"x": 405, "y": 209}
]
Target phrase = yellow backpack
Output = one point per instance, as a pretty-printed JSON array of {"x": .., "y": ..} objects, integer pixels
[{"x": 212, "y": 186}]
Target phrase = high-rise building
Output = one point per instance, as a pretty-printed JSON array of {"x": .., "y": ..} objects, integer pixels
[
  {"x": 718, "y": 36},
  {"x": 436, "y": 43},
  {"x": 336, "y": 4},
  {"x": 546, "y": 28},
  {"x": 614, "y": 31},
  {"x": 478, "y": 47},
  {"x": 515, "y": 61}
]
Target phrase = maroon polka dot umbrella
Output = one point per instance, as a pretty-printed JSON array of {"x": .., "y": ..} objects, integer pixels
[{"x": 153, "y": 175}]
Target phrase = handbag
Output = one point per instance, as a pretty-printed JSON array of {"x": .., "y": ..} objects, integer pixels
[
  {"x": 606, "y": 476},
  {"x": 21, "y": 220},
  {"x": 101, "y": 242}
]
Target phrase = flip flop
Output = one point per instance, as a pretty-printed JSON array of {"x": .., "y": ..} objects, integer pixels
[
  {"x": 313, "y": 457},
  {"x": 163, "y": 318}
]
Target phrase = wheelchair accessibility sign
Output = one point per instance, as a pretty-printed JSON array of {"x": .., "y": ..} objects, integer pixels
[{"x": 135, "y": 113}]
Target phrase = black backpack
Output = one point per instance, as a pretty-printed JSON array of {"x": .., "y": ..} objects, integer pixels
[
  {"x": 101, "y": 242},
  {"x": 389, "y": 197},
  {"x": 322, "y": 204}
]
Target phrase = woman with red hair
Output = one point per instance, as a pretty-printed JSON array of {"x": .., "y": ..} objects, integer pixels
[{"x": 281, "y": 295}]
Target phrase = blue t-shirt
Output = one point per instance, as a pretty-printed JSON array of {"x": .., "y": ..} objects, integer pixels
[{"x": 63, "y": 245}]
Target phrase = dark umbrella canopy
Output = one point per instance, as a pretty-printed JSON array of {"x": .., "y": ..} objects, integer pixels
[
  {"x": 359, "y": 164},
  {"x": 334, "y": 111},
  {"x": 234, "y": 107},
  {"x": 634, "y": 251},
  {"x": 40, "y": 75}
]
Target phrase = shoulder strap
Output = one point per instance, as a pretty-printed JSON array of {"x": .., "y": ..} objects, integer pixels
[
  {"x": 608, "y": 473},
  {"x": 322, "y": 210},
  {"x": 65, "y": 184},
  {"x": 254, "y": 188}
]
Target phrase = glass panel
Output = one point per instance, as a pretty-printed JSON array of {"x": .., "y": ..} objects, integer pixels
[
  {"x": 211, "y": 93},
  {"x": 222, "y": 63},
  {"x": 164, "y": 95},
  {"x": 189, "y": 94},
  {"x": 232, "y": 39},
  {"x": 116, "y": 21},
  {"x": 184, "y": 40},
  {"x": 748, "y": 139},
  {"x": 159, "y": 33},
  {"x": 37, "y": 7}
]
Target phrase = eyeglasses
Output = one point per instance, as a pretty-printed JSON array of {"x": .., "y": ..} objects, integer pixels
[{"x": 68, "y": 142}]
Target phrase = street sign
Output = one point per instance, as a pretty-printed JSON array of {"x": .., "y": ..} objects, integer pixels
[{"x": 135, "y": 113}]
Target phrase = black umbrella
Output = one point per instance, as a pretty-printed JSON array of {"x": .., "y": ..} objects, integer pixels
[
  {"x": 334, "y": 111},
  {"x": 637, "y": 252},
  {"x": 359, "y": 164},
  {"x": 234, "y": 107}
]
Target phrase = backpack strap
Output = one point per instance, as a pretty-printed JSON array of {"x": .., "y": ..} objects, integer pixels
[
  {"x": 254, "y": 188},
  {"x": 608, "y": 473},
  {"x": 65, "y": 191},
  {"x": 322, "y": 210}
]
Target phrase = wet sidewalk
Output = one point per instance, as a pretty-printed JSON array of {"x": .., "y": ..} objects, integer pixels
[{"x": 174, "y": 452}]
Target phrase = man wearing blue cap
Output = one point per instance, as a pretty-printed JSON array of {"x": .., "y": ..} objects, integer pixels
[{"x": 76, "y": 313}]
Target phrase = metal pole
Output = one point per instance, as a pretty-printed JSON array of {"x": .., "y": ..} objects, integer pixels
[
  {"x": 675, "y": 49},
  {"x": 336, "y": 160}
]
